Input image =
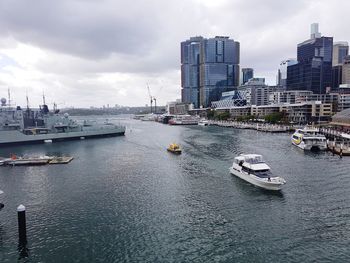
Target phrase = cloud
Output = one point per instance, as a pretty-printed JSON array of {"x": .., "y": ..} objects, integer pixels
[{"x": 104, "y": 52}]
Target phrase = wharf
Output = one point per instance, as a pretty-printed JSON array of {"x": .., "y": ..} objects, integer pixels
[
  {"x": 334, "y": 134},
  {"x": 274, "y": 128},
  {"x": 339, "y": 148}
]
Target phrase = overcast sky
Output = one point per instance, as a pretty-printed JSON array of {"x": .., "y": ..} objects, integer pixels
[{"x": 94, "y": 53}]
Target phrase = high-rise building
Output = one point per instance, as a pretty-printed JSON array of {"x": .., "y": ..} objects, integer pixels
[
  {"x": 208, "y": 68},
  {"x": 282, "y": 71},
  {"x": 314, "y": 68},
  {"x": 247, "y": 74},
  {"x": 219, "y": 68},
  {"x": 340, "y": 51},
  {"x": 190, "y": 70},
  {"x": 346, "y": 71}
]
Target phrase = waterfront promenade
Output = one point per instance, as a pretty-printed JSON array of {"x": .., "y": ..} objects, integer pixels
[{"x": 265, "y": 127}]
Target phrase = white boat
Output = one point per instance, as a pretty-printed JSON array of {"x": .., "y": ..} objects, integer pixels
[
  {"x": 28, "y": 160},
  {"x": 309, "y": 139},
  {"x": 253, "y": 169},
  {"x": 3, "y": 161},
  {"x": 184, "y": 120},
  {"x": 149, "y": 117},
  {"x": 203, "y": 122}
]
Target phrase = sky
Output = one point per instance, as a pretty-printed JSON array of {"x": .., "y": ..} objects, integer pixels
[{"x": 86, "y": 53}]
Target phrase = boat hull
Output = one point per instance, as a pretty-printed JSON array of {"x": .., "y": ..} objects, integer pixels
[
  {"x": 16, "y": 137},
  {"x": 174, "y": 151},
  {"x": 272, "y": 186},
  {"x": 309, "y": 147}
]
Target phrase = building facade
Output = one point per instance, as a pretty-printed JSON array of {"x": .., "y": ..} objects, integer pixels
[
  {"x": 340, "y": 51},
  {"x": 282, "y": 71},
  {"x": 219, "y": 68},
  {"x": 190, "y": 70},
  {"x": 247, "y": 74},
  {"x": 313, "y": 71},
  {"x": 346, "y": 71}
]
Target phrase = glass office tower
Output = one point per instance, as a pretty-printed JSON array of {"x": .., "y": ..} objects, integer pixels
[
  {"x": 208, "y": 68},
  {"x": 219, "y": 68},
  {"x": 190, "y": 70},
  {"x": 247, "y": 74},
  {"x": 313, "y": 71}
]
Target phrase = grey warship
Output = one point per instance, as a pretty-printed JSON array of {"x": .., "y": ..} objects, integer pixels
[{"x": 24, "y": 126}]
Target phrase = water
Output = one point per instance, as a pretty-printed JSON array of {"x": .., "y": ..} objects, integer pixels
[{"x": 125, "y": 199}]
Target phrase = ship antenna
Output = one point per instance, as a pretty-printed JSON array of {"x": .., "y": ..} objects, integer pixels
[
  {"x": 27, "y": 99},
  {"x": 9, "y": 97},
  {"x": 44, "y": 98}
]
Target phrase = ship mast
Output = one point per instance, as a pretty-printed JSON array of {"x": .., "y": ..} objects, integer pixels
[
  {"x": 9, "y": 97},
  {"x": 44, "y": 98}
]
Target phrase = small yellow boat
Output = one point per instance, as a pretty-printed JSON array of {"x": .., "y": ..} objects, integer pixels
[{"x": 174, "y": 148}]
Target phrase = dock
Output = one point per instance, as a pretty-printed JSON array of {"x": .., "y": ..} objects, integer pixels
[
  {"x": 264, "y": 127},
  {"x": 339, "y": 148},
  {"x": 61, "y": 160}
]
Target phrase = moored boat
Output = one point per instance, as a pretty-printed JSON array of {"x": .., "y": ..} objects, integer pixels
[
  {"x": 24, "y": 126},
  {"x": 309, "y": 139},
  {"x": 253, "y": 169},
  {"x": 184, "y": 120},
  {"x": 41, "y": 160}
]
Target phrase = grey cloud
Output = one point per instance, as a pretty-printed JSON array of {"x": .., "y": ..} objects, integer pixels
[
  {"x": 91, "y": 29},
  {"x": 142, "y": 38}
]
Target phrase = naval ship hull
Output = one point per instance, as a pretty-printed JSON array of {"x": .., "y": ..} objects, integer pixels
[{"x": 17, "y": 137}]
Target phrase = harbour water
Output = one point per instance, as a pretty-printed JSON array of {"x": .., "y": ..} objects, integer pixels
[{"x": 125, "y": 199}]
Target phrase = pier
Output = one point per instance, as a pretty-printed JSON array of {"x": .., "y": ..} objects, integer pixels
[{"x": 264, "y": 127}]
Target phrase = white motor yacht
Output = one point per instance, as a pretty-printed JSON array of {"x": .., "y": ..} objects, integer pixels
[
  {"x": 309, "y": 139},
  {"x": 253, "y": 169},
  {"x": 203, "y": 122}
]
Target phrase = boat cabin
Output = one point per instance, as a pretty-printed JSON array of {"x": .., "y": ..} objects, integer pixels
[{"x": 253, "y": 164}]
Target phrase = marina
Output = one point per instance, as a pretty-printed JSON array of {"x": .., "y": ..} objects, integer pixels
[{"x": 162, "y": 207}]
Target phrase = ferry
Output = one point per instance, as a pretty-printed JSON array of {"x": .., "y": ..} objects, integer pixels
[
  {"x": 309, "y": 139},
  {"x": 253, "y": 169},
  {"x": 184, "y": 120}
]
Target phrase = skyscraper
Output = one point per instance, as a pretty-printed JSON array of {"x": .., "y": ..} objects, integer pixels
[
  {"x": 313, "y": 71},
  {"x": 282, "y": 71},
  {"x": 340, "y": 51},
  {"x": 190, "y": 50},
  {"x": 247, "y": 74},
  {"x": 219, "y": 68},
  {"x": 346, "y": 71}
]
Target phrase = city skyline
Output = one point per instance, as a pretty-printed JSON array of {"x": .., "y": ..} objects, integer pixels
[{"x": 82, "y": 58}]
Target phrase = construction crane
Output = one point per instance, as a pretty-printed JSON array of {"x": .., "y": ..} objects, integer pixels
[{"x": 150, "y": 97}]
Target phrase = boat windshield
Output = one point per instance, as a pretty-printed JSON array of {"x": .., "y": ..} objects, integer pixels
[
  {"x": 266, "y": 173},
  {"x": 255, "y": 160},
  {"x": 262, "y": 173}
]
